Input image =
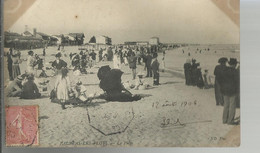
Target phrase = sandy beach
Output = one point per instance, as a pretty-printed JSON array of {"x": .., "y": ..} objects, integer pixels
[{"x": 168, "y": 115}]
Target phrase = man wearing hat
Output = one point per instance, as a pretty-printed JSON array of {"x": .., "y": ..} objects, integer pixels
[
  {"x": 148, "y": 64},
  {"x": 155, "y": 68},
  {"x": 229, "y": 85},
  {"x": 218, "y": 72},
  {"x": 15, "y": 88}
]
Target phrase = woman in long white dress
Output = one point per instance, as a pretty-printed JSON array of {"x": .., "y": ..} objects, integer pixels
[
  {"x": 62, "y": 87},
  {"x": 116, "y": 61},
  {"x": 30, "y": 63}
]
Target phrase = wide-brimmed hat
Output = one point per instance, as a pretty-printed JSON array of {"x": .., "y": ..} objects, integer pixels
[
  {"x": 30, "y": 52},
  {"x": 232, "y": 61},
  {"x": 222, "y": 60},
  {"x": 58, "y": 55},
  {"x": 30, "y": 77},
  {"x": 155, "y": 55},
  {"x": 79, "y": 83}
]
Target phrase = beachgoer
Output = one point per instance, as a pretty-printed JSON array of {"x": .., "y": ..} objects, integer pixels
[
  {"x": 187, "y": 72},
  {"x": 148, "y": 60},
  {"x": 132, "y": 64},
  {"x": 15, "y": 66},
  {"x": 62, "y": 87},
  {"x": 155, "y": 67},
  {"x": 229, "y": 87},
  {"x": 10, "y": 64},
  {"x": 15, "y": 88},
  {"x": 218, "y": 72},
  {"x": 30, "y": 89},
  {"x": 58, "y": 64}
]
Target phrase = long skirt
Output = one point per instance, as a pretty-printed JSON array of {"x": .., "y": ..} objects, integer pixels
[
  {"x": 218, "y": 94},
  {"x": 16, "y": 70}
]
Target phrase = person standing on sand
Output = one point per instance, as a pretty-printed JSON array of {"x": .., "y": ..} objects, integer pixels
[
  {"x": 10, "y": 64},
  {"x": 31, "y": 62},
  {"x": 15, "y": 67},
  {"x": 194, "y": 66},
  {"x": 148, "y": 60},
  {"x": 155, "y": 68},
  {"x": 187, "y": 72},
  {"x": 218, "y": 72},
  {"x": 229, "y": 85},
  {"x": 132, "y": 64},
  {"x": 163, "y": 61},
  {"x": 62, "y": 87}
]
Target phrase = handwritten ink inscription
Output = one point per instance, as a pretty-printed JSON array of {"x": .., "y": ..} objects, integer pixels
[
  {"x": 21, "y": 125},
  {"x": 174, "y": 104}
]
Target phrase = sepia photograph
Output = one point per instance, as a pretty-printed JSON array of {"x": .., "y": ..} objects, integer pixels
[{"x": 121, "y": 73}]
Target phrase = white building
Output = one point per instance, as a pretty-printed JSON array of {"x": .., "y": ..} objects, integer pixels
[
  {"x": 154, "y": 41},
  {"x": 103, "y": 40}
]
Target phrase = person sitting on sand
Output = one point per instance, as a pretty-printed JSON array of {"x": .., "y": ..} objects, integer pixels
[
  {"x": 30, "y": 89},
  {"x": 80, "y": 91},
  {"x": 199, "y": 79},
  {"x": 207, "y": 80},
  {"x": 140, "y": 82},
  {"x": 15, "y": 88}
]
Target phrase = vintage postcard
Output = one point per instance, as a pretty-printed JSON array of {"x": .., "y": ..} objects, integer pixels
[{"x": 121, "y": 73}]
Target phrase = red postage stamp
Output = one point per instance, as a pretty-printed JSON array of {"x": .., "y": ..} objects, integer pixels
[{"x": 22, "y": 126}]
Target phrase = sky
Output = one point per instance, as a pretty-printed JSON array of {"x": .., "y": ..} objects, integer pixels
[{"x": 173, "y": 21}]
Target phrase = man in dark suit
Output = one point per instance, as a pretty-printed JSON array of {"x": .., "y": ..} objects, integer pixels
[
  {"x": 155, "y": 68},
  {"x": 218, "y": 71},
  {"x": 148, "y": 63},
  {"x": 229, "y": 85}
]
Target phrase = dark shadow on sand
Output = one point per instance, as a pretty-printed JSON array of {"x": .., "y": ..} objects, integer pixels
[{"x": 172, "y": 82}]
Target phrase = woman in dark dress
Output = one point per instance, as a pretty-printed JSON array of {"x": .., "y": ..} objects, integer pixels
[
  {"x": 58, "y": 64},
  {"x": 187, "y": 72}
]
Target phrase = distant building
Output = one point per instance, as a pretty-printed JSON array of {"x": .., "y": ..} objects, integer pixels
[
  {"x": 139, "y": 43},
  {"x": 78, "y": 38},
  {"x": 103, "y": 40},
  {"x": 23, "y": 41},
  {"x": 27, "y": 34},
  {"x": 154, "y": 41}
]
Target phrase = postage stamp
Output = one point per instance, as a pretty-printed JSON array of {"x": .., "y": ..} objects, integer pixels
[{"x": 22, "y": 125}]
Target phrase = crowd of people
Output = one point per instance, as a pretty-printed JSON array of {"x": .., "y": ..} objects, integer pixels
[
  {"x": 227, "y": 84},
  {"x": 24, "y": 86},
  {"x": 227, "y": 88},
  {"x": 28, "y": 86}
]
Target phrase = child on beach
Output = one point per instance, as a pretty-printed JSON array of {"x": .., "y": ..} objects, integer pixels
[
  {"x": 80, "y": 91},
  {"x": 140, "y": 82}
]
